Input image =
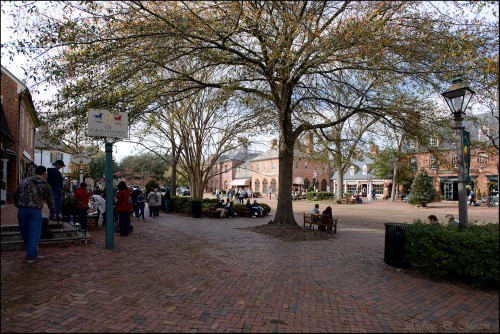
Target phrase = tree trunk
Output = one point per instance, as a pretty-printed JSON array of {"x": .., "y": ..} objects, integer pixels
[
  {"x": 284, "y": 210},
  {"x": 394, "y": 178}
]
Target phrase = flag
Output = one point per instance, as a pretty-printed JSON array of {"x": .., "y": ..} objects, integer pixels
[{"x": 467, "y": 156}]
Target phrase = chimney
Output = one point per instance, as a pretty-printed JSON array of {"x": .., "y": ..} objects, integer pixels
[{"x": 373, "y": 149}]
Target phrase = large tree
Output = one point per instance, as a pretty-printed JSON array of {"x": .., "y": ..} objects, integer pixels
[{"x": 277, "y": 53}]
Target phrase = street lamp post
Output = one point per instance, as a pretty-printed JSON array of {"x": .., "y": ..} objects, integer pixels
[{"x": 457, "y": 97}]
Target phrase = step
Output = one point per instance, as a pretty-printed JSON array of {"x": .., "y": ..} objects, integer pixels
[{"x": 64, "y": 235}]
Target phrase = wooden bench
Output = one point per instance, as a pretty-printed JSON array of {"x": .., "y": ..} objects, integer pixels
[{"x": 312, "y": 219}]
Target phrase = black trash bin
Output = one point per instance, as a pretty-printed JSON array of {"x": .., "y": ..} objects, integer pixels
[
  {"x": 395, "y": 239},
  {"x": 196, "y": 209}
]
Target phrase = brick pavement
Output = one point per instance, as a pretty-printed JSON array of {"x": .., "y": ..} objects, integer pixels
[{"x": 178, "y": 274}]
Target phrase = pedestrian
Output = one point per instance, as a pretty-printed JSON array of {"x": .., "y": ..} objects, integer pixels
[
  {"x": 133, "y": 196},
  {"x": 329, "y": 213},
  {"x": 374, "y": 194},
  {"x": 123, "y": 208},
  {"x": 167, "y": 201},
  {"x": 472, "y": 197},
  {"x": 82, "y": 198},
  {"x": 99, "y": 203},
  {"x": 433, "y": 220},
  {"x": 141, "y": 204},
  {"x": 220, "y": 208},
  {"x": 316, "y": 209},
  {"x": 241, "y": 196},
  {"x": 29, "y": 198},
  {"x": 217, "y": 194},
  {"x": 56, "y": 182},
  {"x": 258, "y": 208},
  {"x": 230, "y": 210},
  {"x": 270, "y": 191},
  {"x": 154, "y": 202}
]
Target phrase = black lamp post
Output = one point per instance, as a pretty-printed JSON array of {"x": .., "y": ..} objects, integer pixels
[{"x": 457, "y": 97}]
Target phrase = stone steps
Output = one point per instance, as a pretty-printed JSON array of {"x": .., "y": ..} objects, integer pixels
[{"x": 63, "y": 235}]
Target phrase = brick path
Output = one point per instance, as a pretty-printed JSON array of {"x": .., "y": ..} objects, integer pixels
[{"x": 179, "y": 274}]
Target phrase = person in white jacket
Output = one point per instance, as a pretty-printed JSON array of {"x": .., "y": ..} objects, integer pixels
[{"x": 99, "y": 203}]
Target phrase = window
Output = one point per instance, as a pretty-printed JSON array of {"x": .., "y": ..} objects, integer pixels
[
  {"x": 226, "y": 168},
  {"x": 264, "y": 186},
  {"x": 454, "y": 160},
  {"x": 433, "y": 164},
  {"x": 365, "y": 170},
  {"x": 413, "y": 144},
  {"x": 265, "y": 166},
  {"x": 257, "y": 167},
  {"x": 315, "y": 168},
  {"x": 379, "y": 188},
  {"x": 324, "y": 169},
  {"x": 351, "y": 188},
  {"x": 352, "y": 171},
  {"x": 482, "y": 158},
  {"x": 434, "y": 141},
  {"x": 273, "y": 165},
  {"x": 257, "y": 185},
  {"x": 296, "y": 164},
  {"x": 307, "y": 183},
  {"x": 55, "y": 156},
  {"x": 306, "y": 165},
  {"x": 413, "y": 164}
]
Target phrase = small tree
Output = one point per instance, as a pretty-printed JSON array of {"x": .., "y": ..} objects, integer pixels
[{"x": 422, "y": 191}]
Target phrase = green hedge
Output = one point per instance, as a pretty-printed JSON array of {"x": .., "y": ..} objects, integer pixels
[
  {"x": 319, "y": 196},
  {"x": 442, "y": 251}
]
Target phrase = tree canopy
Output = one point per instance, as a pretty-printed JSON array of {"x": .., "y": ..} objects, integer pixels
[{"x": 280, "y": 56}]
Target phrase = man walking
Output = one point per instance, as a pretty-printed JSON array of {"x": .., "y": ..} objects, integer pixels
[
  {"x": 29, "y": 198},
  {"x": 56, "y": 182}
]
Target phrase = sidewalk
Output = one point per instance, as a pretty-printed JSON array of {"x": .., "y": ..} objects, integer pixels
[{"x": 179, "y": 274}]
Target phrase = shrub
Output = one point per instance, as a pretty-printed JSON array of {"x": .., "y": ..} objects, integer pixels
[
  {"x": 319, "y": 196},
  {"x": 422, "y": 190},
  {"x": 445, "y": 252}
]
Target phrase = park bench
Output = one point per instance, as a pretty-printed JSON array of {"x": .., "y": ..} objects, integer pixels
[{"x": 312, "y": 219}]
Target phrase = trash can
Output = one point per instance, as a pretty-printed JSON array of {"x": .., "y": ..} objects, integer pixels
[
  {"x": 196, "y": 209},
  {"x": 394, "y": 249}
]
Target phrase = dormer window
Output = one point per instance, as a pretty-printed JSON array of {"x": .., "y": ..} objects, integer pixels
[{"x": 434, "y": 141}]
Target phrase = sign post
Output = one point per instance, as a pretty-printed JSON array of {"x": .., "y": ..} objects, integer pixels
[{"x": 104, "y": 123}]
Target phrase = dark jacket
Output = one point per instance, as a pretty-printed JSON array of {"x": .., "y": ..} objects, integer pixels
[
  {"x": 55, "y": 179},
  {"x": 33, "y": 192}
]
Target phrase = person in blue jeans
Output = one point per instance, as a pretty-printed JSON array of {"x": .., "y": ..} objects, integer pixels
[
  {"x": 56, "y": 182},
  {"x": 141, "y": 205},
  {"x": 29, "y": 198}
]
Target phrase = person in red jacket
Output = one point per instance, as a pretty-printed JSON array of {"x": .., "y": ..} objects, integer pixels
[
  {"x": 82, "y": 198},
  {"x": 123, "y": 208}
]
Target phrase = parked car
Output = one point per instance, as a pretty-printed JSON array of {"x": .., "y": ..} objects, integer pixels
[{"x": 183, "y": 191}]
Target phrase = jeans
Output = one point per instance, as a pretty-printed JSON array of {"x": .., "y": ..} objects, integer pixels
[
  {"x": 82, "y": 217},
  {"x": 30, "y": 227},
  {"x": 167, "y": 206},
  {"x": 124, "y": 222},
  {"x": 58, "y": 199},
  {"x": 141, "y": 211}
]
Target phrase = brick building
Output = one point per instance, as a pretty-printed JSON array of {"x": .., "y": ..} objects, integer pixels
[{"x": 19, "y": 122}]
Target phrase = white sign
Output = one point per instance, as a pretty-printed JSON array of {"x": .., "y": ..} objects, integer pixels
[
  {"x": 103, "y": 123},
  {"x": 80, "y": 159}
]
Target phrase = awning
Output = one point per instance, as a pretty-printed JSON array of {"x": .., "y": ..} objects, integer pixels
[
  {"x": 240, "y": 182},
  {"x": 492, "y": 178},
  {"x": 298, "y": 180}
]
